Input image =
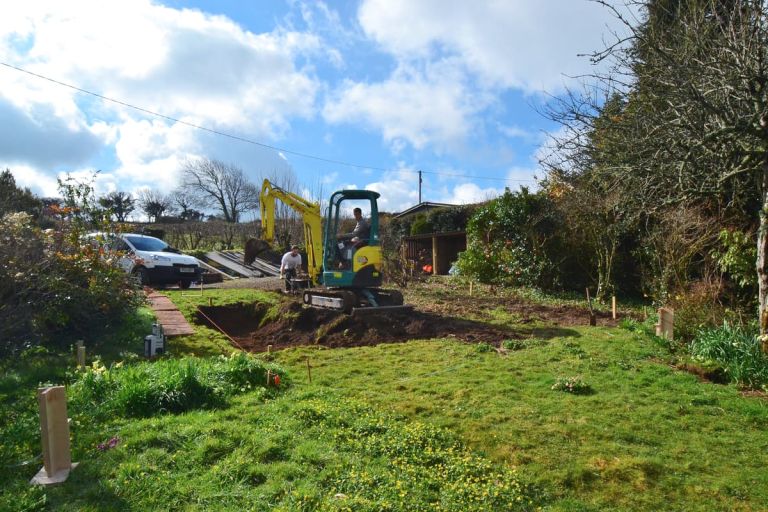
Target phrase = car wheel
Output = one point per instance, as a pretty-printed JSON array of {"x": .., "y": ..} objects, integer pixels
[
  {"x": 185, "y": 284},
  {"x": 142, "y": 276}
]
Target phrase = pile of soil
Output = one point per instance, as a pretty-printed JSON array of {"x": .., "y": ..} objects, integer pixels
[{"x": 298, "y": 325}]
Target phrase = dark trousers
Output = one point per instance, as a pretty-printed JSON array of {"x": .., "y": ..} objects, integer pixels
[{"x": 289, "y": 273}]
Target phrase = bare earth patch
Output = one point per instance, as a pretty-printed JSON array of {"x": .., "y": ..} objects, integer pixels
[{"x": 297, "y": 325}]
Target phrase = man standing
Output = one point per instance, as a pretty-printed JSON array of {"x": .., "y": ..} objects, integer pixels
[{"x": 289, "y": 265}]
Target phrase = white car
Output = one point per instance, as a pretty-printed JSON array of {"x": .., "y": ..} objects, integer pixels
[{"x": 151, "y": 260}]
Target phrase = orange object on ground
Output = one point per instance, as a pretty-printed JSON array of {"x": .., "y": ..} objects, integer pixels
[{"x": 427, "y": 268}]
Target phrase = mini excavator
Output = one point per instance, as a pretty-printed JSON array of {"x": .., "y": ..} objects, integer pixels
[{"x": 345, "y": 275}]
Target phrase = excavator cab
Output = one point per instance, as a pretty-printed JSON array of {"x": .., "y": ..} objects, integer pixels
[{"x": 350, "y": 262}]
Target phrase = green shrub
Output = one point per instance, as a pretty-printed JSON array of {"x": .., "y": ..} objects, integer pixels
[
  {"x": 522, "y": 344},
  {"x": 484, "y": 347},
  {"x": 421, "y": 225},
  {"x": 54, "y": 287},
  {"x": 737, "y": 350},
  {"x": 507, "y": 239},
  {"x": 573, "y": 385},
  {"x": 167, "y": 385}
]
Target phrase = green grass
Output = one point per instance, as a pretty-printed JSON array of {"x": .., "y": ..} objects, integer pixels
[
  {"x": 647, "y": 437},
  {"x": 404, "y": 426},
  {"x": 308, "y": 450}
]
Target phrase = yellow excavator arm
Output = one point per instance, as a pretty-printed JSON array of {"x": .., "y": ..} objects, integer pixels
[{"x": 311, "y": 218}]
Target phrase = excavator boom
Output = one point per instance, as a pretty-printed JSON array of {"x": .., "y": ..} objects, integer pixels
[{"x": 311, "y": 220}]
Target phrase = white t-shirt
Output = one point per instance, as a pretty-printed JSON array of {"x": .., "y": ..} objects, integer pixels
[{"x": 290, "y": 261}]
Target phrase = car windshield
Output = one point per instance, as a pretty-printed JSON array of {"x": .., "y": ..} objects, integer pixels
[{"x": 146, "y": 243}]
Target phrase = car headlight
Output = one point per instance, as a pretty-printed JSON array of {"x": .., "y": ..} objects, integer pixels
[{"x": 155, "y": 257}]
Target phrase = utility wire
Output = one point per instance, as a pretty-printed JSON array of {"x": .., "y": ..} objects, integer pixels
[{"x": 243, "y": 139}]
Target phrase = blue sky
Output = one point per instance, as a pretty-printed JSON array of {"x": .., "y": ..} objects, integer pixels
[{"x": 445, "y": 86}]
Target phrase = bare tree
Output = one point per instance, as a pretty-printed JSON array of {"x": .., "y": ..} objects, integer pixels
[
  {"x": 186, "y": 204},
  {"x": 221, "y": 186},
  {"x": 153, "y": 203},
  {"x": 694, "y": 126}
]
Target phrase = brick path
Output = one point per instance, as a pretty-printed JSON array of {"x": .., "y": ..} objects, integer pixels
[{"x": 169, "y": 316}]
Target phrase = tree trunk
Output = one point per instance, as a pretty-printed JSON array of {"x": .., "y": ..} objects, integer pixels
[{"x": 762, "y": 259}]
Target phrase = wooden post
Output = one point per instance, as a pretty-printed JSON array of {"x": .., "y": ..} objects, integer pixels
[
  {"x": 435, "y": 256},
  {"x": 666, "y": 326},
  {"x": 269, "y": 350},
  {"x": 54, "y": 432},
  {"x": 269, "y": 376},
  {"x": 309, "y": 371},
  {"x": 613, "y": 307},
  {"x": 201, "y": 285},
  {"x": 470, "y": 288},
  {"x": 210, "y": 301}
]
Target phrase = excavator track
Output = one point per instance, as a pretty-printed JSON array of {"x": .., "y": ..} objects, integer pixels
[{"x": 357, "y": 302}]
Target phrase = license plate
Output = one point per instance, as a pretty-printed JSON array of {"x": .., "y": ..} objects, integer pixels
[{"x": 187, "y": 270}]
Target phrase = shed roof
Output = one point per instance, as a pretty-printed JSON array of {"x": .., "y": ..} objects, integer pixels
[{"x": 421, "y": 207}]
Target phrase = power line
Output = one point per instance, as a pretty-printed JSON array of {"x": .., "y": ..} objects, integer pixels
[{"x": 244, "y": 139}]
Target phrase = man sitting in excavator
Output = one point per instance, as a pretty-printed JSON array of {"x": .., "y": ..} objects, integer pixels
[{"x": 350, "y": 242}]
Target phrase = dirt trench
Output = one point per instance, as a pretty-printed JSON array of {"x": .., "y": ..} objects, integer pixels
[{"x": 296, "y": 325}]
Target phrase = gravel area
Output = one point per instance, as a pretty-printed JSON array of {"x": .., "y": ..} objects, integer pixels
[{"x": 258, "y": 283}]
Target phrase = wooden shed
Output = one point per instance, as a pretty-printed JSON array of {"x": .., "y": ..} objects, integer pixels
[{"x": 436, "y": 249}]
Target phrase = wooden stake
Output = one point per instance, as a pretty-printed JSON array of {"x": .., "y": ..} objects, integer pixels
[
  {"x": 201, "y": 285},
  {"x": 470, "y": 288},
  {"x": 269, "y": 377},
  {"x": 269, "y": 350},
  {"x": 666, "y": 326},
  {"x": 81, "y": 356},
  {"x": 592, "y": 316},
  {"x": 210, "y": 301},
  {"x": 309, "y": 371},
  {"x": 613, "y": 307},
  {"x": 54, "y": 430}
]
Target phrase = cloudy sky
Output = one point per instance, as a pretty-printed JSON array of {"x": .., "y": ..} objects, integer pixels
[{"x": 449, "y": 87}]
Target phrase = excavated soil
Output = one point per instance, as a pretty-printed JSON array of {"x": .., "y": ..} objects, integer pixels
[{"x": 298, "y": 325}]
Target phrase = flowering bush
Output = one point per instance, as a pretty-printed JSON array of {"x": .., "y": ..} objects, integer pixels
[{"x": 54, "y": 288}]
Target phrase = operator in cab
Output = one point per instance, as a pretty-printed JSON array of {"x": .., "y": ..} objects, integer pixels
[
  {"x": 359, "y": 236},
  {"x": 349, "y": 242}
]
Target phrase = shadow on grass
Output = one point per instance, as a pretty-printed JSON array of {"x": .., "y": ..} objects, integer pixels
[{"x": 548, "y": 332}]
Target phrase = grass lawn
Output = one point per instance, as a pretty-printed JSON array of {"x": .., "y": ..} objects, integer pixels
[{"x": 431, "y": 424}]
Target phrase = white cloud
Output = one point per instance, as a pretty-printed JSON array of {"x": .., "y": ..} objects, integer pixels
[
  {"x": 513, "y": 43},
  {"x": 418, "y": 108},
  {"x": 523, "y": 177},
  {"x": 40, "y": 183},
  {"x": 201, "y": 68},
  {"x": 399, "y": 190},
  {"x": 468, "y": 193}
]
